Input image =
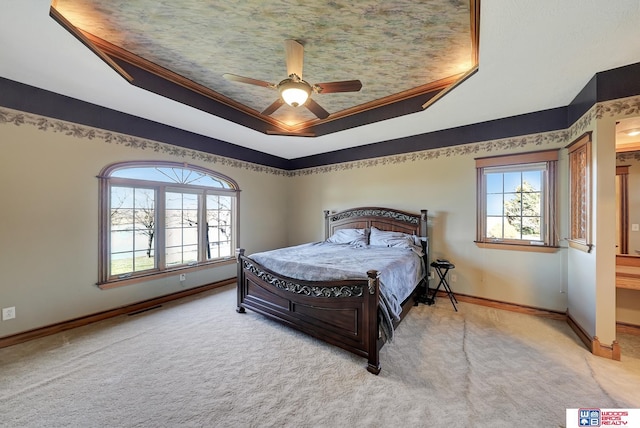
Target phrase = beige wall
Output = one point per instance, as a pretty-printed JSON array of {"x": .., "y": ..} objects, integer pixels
[
  {"x": 604, "y": 208},
  {"x": 49, "y": 223},
  {"x": 444, "y": 182},
  {"x": 582, "y": 272},
  {"x": 612, "y": 305}
]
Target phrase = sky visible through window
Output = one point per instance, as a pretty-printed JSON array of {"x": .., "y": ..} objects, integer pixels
[
  {"x": 171, "y": 175},
  {"x": 196, "y": 221},
  {"x": 513, "y": 205}
]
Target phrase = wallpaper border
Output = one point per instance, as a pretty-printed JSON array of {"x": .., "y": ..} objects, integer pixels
[
  {"x": 19, "y": 118},
  {"x": 619, "y": 107}
]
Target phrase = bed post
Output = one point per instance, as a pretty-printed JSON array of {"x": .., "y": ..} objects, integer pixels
[
  {"x": 326, "y": 223},
  {"x": 371, "y": 316},
  {"x": 240, "y": 279},
  {"x": 423, "y": 223},
  {"x": 424, "y": 233}
]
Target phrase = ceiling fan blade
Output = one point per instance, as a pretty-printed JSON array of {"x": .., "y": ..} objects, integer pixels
[
  {"x": 316, "y": 109},
  {"x": 342, "y": 86},
  {"x": 273, "y": 107},
  {"x": 241, "y": 79},
  {"x": 295, "y": 56}
]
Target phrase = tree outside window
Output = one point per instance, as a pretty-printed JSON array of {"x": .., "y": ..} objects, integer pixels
[
  {"x": 158, "y": 217},
  {"x": 516, "y": 203}
]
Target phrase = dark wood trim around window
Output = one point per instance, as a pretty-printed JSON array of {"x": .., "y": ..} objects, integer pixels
[
  {"x": 550, "y": 234},
  {"x": 105, "y": 279},
  {"x": 580, "y": 193},
  {"x": 518, "y": 158}
]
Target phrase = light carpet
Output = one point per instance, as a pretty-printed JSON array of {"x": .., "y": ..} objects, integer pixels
[{"x": 198, "y": 363}]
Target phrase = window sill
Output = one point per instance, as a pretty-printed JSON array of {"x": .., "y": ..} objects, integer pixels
[
  {"x": 517, "y": 247},
  {"x": 157, "y": 275},
  {"x": 582, "y": 246}
]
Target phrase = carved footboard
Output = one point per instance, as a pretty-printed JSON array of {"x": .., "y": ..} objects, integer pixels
[{"x": 343, "y": 313}]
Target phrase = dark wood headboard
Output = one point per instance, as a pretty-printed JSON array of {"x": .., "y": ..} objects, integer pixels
[{"x": 381, "y": 218}]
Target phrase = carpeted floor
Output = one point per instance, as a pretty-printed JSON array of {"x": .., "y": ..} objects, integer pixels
[{"x": 198, "y": 363}]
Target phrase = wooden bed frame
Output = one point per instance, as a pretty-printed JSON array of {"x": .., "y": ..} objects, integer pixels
[{"x": 342, "y": 313}]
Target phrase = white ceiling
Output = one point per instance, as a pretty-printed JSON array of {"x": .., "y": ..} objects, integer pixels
[{"x": 534, "y": 55}]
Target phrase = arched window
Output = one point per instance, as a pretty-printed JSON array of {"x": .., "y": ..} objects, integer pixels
[{"x": 159, "y": 217}]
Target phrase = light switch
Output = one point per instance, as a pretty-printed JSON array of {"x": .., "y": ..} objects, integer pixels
[{"x": 635, "y": 227}]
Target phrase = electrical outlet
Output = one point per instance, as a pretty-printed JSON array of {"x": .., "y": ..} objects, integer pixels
[
  {"x": 432, "y": 274},
  {"x": 454, "y": 277},
  {"x": 183, "y": 277},
  {"x": 8, "y": 313}
]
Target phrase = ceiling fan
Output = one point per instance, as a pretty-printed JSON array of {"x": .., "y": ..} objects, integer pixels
[{"x": 293, "y": 90}]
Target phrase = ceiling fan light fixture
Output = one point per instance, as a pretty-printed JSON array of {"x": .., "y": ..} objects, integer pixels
[{"x": 294, "y": 93}]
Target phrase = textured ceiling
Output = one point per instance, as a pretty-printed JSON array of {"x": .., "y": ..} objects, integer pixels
[
  {"x": 392, "y": 47},
  {"x": 533, "y": 55}
]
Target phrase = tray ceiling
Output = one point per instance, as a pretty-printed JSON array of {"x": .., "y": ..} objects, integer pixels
[
  {"x": 533, "y": 56},
  {"x": 401, "y": 50}
]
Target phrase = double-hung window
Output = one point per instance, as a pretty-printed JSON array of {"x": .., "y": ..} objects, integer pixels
[
  {"x": 159, "y": 217},
  {"x": 516, "y": 200}
]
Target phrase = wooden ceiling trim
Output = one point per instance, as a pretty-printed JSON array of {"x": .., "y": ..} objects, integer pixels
[
  {"x": 474, "y": 6},
  {"x": 79, "y": 34},
  {"x": 449, "y": 88},
  {"x": 117, "y": 52},
  {"x": 432, "y": 92},
  {"x": 113, "y": 51},
  {"x": 299, "y": 129},
  {"x": 424, "y": 90},
  {"x": 630, "y": 147}
]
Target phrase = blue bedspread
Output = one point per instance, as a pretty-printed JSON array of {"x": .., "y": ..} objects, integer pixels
[{"x": 400, "y": 269}]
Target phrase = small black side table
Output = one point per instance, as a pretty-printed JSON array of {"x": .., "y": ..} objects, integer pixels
[{"x": 442, "y": 267}]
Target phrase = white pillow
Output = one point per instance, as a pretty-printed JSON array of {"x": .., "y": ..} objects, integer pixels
[
  {"x": 355, "y": 237},
  {"x": 382, "y": 238}
]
